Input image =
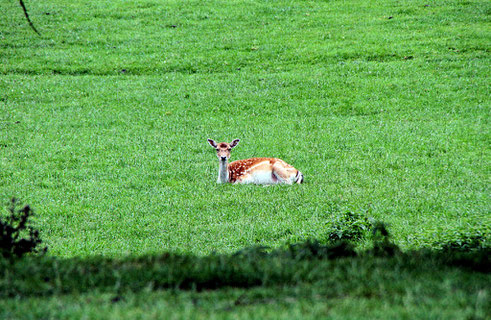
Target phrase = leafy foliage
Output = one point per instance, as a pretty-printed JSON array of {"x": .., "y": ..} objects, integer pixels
[
  {"x": 352, "y": 226},
  {"x": 463, "y": 241},
  {"x": 17, "y": 237},
  {"x": 349, "y": 226}
]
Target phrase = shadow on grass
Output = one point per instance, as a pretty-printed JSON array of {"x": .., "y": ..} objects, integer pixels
[{"x": 335, "y": 265}]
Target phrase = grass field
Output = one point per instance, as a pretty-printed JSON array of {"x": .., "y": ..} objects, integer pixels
[{"x": 383, "y": 105}]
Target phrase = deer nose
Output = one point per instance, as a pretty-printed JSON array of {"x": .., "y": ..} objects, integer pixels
[{"x": 223, "y": 158}]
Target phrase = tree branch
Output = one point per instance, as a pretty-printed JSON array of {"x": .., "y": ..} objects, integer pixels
[{"x": 27, "y": 17}]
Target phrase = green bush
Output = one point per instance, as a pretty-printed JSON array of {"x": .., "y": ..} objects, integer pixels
[
  {"x": 463, "y": 241},
  {"x": 17, "y": 237},
  {"x": 350, "y": 226}
]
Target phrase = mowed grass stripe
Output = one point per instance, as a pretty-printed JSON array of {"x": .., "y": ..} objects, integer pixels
[{"x": 192, "y": 37}]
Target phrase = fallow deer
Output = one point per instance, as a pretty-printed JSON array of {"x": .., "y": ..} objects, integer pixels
[{"x": 253, "y": 170}]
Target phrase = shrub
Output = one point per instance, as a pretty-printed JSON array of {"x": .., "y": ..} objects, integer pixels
[
  {"x": 17, "y": 237},
  {"x": 463, "y": 241},
  {"x": 350, "y": 226}
]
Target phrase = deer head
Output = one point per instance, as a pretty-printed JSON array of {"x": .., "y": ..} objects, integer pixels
[{"x": 223, "y": 148}]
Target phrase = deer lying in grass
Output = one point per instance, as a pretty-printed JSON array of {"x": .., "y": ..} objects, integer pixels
[{"x": 253, "y": 170}]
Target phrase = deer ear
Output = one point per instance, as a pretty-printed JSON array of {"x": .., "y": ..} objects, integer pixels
[
  {"x": 234, "y": 143},
  {"x": 212, "y": 143}
]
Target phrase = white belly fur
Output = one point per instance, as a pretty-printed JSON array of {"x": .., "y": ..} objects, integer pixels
[{"x": 260, "y": 177}]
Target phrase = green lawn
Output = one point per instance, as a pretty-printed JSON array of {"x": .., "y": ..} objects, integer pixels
[{"x": 383, "y": 105}]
